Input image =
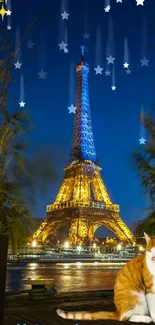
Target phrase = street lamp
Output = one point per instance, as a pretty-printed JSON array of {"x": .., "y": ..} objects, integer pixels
[
  {"x": 119, "y": 247},
  {"x": 66, "y": 244},
  {"x": 34, "y": 243},
  {"x": 79, "y": 248}
]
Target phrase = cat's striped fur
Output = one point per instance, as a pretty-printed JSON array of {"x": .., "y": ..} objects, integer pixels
[{"x": 134, "y": 291}]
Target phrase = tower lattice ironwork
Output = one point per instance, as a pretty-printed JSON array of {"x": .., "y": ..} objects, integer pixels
[{"x": 82, "y": 202}]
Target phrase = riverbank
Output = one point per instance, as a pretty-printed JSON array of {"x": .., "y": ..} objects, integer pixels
[
  {"x": 19, "y": 310},
  {"x": 69, "y": 260}
]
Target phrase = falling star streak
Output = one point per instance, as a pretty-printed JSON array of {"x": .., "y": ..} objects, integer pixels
[
  {"x": 17, "y": 42},
  {"x": 42, "y": 51},
  {"x": 126, "y": 52},
  {"x": 72, "y": 87},
  {"x": 144, "y": 38},
  {"x": 113, "y": 85},
  {"x": 110, "y": 43},
  {"x": 142, "y": 129},
  {"x": 22, "y": 92},
  {"x": 107, "y": 5},
  {"x": 9, "y": 19},
  {"x": 98, "y": 48}
]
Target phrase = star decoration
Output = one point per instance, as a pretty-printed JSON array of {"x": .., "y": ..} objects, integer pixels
[
  {"x": 98, "y": 70},
  {"x": 140, "y": 2},
  {"x": 8, "y": 13},
  {"x": 118, "y": 1},
  {"x": 110, "y": 59},
  {"x": 9, "y": 27},
  {"x": 22, "y": 104},
  {"x": 142, "y": 140},
  {"x": 65, "y": 50},
  {"x": 107, "y": 8},
  {"x": 128, "y": 71},
  {"x": 113, "y": 87},
  {"x": 107, "y": 73},
  {"x": 17, "y": 65},
  {"x": 86, "y": 36},
  {"x": 72, "y": 109},
  {"x": 30, "y": 45},
  {"x": 62, "y": 45},
  {"x": 144, "y": 62},
  {"x": 3, "y": 12},
  {"x": 42, "y": 74},
  {"x": 65, "y": 15},
  {"x": 126, "y": 65}
]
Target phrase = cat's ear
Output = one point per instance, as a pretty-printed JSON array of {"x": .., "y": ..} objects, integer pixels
[{"x": 147, "y": 238}]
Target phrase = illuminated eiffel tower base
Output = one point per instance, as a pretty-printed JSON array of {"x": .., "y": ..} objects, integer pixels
[{"x": 82, "y": 203}]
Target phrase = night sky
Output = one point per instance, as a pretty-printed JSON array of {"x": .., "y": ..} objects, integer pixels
[{"x": 127, "y": 32}]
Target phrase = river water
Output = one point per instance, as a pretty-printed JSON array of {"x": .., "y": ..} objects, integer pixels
[{"x": 68, "y": 278}]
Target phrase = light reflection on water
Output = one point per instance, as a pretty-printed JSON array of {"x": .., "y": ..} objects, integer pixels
[{"x": 67, "y": 277}]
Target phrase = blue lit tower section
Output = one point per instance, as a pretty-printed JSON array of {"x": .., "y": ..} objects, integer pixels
[{"x": 82, "y": 143}]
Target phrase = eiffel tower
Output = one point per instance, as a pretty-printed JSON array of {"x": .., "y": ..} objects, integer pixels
[{"x": 82, "y": 202}]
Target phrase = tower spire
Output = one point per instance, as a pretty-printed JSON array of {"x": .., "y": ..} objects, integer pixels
[
  {"x": 82, "y": 52},
  {"x": 82, "y": 143}
]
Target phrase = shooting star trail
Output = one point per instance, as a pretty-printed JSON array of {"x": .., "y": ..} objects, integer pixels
[{"x": 98, "y": 48}]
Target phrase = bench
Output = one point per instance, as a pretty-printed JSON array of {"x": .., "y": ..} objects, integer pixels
[{"x": 41, "y": 289}]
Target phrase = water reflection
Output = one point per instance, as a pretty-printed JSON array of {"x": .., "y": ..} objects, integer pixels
[{"x": 77, "y": 277}]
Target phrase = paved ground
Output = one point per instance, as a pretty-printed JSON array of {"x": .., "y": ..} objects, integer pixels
[{"x": 21, "y": 311}]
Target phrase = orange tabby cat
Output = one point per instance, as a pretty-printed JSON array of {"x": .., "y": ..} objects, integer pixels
[{"x": 134, "y": 291}]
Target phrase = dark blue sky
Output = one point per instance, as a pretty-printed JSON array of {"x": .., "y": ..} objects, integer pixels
[{"x": 115, "y": 114}]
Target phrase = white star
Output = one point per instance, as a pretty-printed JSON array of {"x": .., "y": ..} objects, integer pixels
[
  {"x": 22, "y": 104},
  {"x": 9, "y": 27},
  {"x": 62, "y": 45},
  {"x": 128, "y": 71},
  {"x": 107, "y": 73},
  {"x": 86, "y": 36},
  {"x": 65, "y": 50},
  {"x": 42, "y": 74},
  {"x": 98, "y": 70},
  {"x": 113, "y": 87},
  {"x": 140, "y": 2},
  {"x": 8, "y": 13},
  {"x": 72, "y": 109},
  {"x": 65, "y": 15},
  {"x": 144, "y": 62},
  {"x": 107, "y": 8},
  {"x": 110, "y": 59},
  {"x": 126, "y": 65},
  {"x": 17, "y": 65},
  {"x": 142, "y": 140},
  {"x": 118, "y": 1}
]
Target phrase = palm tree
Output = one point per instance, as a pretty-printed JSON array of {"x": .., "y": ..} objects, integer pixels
[{"x": 144, "y": 162}]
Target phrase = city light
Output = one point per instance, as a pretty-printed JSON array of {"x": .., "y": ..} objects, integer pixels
[
  {"x": 66, "y": 244},
  {"x": 94, "y": 245},
  {"x": 79, "y": 248},
  {"x": 34, "y": 243},
  {"x": 119, "y": 247},
  {"x": 141, "y": 248}
]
